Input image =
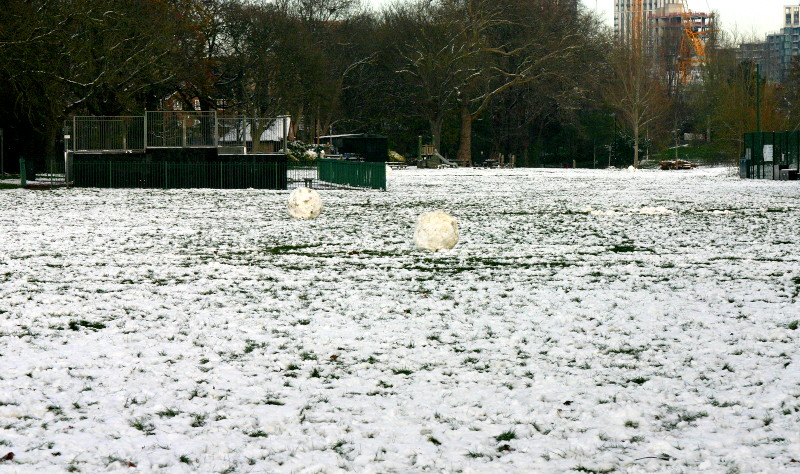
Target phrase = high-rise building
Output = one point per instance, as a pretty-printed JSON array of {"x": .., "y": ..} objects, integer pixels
[
  {"x": 775, "y": 55},
  {"x": 625, "y": 15},
  {"x": 677, "y": 39}
]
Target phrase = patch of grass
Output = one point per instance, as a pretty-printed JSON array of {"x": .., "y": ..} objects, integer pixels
[
  {"x": 75, "y": 325},
  {"x": 9, "y": 186},
  {"x": 251, "y": 345},
  {"x": 185, "y": 459},
  {"x": 581, "y": 468},
  {"x": 623, "y": 248},
  {"x": 719, "y": 404},
  {"x": 435, "y": 441},
  {"x": 144, "y": 425},
  {"x": 198, "y": 420},
  {"x": 168, "y": 413},
  {"x": 631, "y": 424},
  {"x": 690, "y": 417},
  {"x": 541, "y": 430},
  {"x": 638, "y": 380},
  {"x": 793, "y": 325},
  {"x": 402, "y": 371},
  {"x": 284, "y": 249},
  {"x": 257, "y": 434},
  {"x": 338, "y": 447},
  {"x": 506, "y": 436}
]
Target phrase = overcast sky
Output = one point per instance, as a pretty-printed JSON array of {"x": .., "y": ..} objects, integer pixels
[{"x": 744, "y": 16}]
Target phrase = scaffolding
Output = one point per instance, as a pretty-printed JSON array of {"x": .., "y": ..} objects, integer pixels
[{"x": 677, "y": 37}]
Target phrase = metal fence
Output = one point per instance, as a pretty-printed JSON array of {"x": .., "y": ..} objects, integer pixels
[
  {"x": 252, "y": 135},
  {"x": 140, "y": 174},
  {"x": 765, "y": 154},
  {"x": 108, "y": 133},
  {"x": 177, "y": 129},
  {"x": 360, "y": 174},
  {"x": 180, "y": 129}
]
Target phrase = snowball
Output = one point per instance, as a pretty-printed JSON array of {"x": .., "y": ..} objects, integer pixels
[
  {"x": 631, "y": 169},
  {"x": 436, "y": 230},
  {"x": 304, "y": 203}
]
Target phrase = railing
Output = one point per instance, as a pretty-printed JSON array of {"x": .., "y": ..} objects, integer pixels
[
  {"x": 177, "y": 129},
  {"x": 180, "y": 129},
  {"x": 360, "y": 174},
  {"x": 108, "y": 133},
  {"x": 251, "y": 135}
]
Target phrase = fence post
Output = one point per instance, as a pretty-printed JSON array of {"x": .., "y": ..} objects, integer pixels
[
  {"x": 286, "y": 134},
  {"x": 23, "y": 173},
  {"x": 216, "y": 128}
]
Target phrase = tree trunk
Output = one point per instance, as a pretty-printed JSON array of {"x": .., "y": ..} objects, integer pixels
[
  {"x": 464, "y": 157},
  {"x": 436, "y": 131},
  {"x": 636, "y": 146}
]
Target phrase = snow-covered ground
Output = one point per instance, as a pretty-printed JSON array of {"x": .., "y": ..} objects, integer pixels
[{"x": 587, "y": 320}]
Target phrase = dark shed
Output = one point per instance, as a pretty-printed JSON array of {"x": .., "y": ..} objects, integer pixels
[{"x": 374, "y": 148}]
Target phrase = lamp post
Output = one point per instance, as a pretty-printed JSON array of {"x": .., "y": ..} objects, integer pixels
[
  {"x": 613, "y": 139},
  {"x": 758, "y": 97}
]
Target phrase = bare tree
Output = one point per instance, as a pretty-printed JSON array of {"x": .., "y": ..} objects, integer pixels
[{"x": 635, "y": 92}]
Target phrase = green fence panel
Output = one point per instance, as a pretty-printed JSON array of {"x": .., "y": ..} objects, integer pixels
[
  {"x": 166, "y": 175},
  {"x": 764, "y": 154},
  {"x": 362, "y": 174}
]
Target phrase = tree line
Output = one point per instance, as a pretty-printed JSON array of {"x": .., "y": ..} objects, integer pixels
[{"x": 536, "y": 82}]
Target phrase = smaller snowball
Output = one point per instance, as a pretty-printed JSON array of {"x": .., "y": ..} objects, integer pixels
[
  {"x": 631, "y": 169},
  {"x": 304, "y": 203},
  {"x": 436, "y": 230}
]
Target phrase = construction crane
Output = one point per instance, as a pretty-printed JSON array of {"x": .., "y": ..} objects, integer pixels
[
  {"x": 637, "y": 25},
  {"x": 693, "y": 48}
]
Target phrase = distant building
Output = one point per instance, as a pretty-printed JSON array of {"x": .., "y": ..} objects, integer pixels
[
  {"x": 776, "y": 52},
  {"x": 668, "y": 43},
  {"x": 625, "y": 15}
]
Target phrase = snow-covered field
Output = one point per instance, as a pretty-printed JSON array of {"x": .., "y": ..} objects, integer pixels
[{"x": 587, "y": 320}]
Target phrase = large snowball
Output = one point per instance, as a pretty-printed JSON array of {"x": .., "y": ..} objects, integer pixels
[
  {"x": 436, "y": 230},
  {"x": 304, "y": 203}
]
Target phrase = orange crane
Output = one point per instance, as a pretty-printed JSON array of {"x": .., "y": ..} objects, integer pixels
[
  {"x": 693, "y": 48},
  {"x": 637, "y": 24}
]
